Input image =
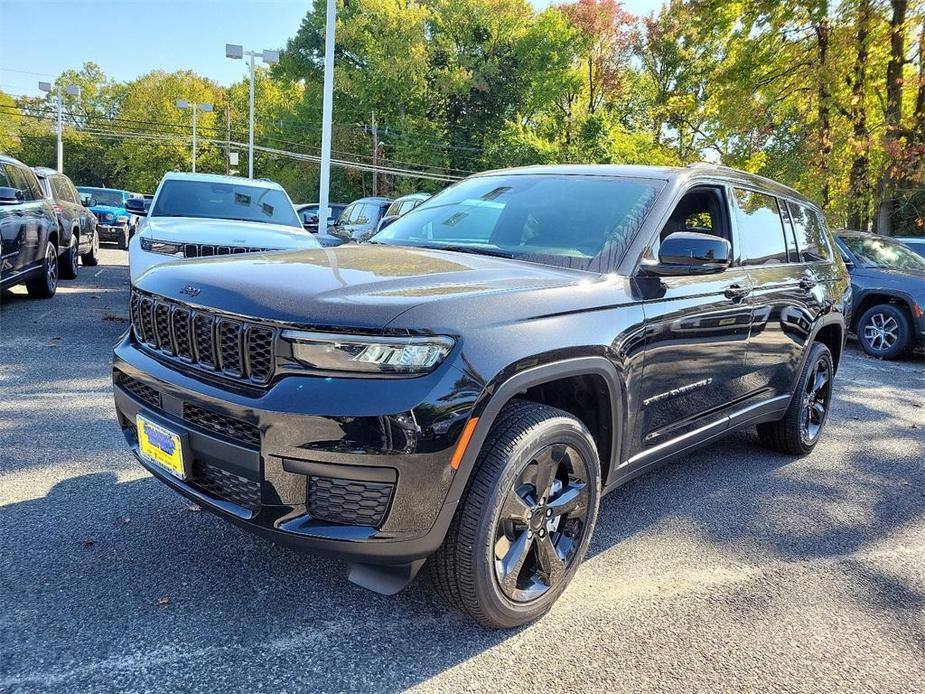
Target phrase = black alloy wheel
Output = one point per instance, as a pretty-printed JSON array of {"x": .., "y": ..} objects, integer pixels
[
  {"x": 815, "y": 404},
  {"x": 542, "y": 523},
  {"x": 45, "y": 285},
  {"x": 68, "y": 266}
]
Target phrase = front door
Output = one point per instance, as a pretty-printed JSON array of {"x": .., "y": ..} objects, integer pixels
[{"x": 696, "y": 334}]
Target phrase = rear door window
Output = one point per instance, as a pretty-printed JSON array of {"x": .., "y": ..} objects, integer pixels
[
  {"x": 60, "y": 189},
  {"x": 18, "y": 180},
  {"x": 761, "y": 231},
  {"x": 810, "y": 234}
]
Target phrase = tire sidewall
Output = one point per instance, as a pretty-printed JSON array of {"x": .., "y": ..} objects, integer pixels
[
  {"x": 71, "y": 257},
  {"x": 819, "y": 351},
  {"x": 554, "y": 430},
  {"x": 901, "y": 345}
]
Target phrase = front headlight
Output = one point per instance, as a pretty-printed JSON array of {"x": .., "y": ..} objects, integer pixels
[
  {"x": 362, "y": 354},
  {"x": 122, "y": 219},
  {"x": 109, "y": 216},
  {"x": 163, "y": 247}
]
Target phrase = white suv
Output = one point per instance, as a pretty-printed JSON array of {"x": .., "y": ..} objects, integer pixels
[{"x": 200, "y": 215}]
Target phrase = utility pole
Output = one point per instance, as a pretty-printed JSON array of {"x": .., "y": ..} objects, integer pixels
[
  {"x": 327, "y": 107},
  {"x": 236, "y": 52},
  {"x": 183, "y": 103},
  {"x": 71, "y": 91},
  {"x": 375, "y": 156},
  {"x": 227, "y": 140}
]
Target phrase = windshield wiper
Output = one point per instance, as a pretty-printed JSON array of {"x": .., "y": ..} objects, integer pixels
[{"x": 475, "y": 250}]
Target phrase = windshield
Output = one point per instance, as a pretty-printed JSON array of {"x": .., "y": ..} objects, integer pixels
[
  {"x": 220, "y": 200},
  {"x": 112, "y": 198},
  {"x": 582, "y": 222},
  {"x": 885, "y": 253}
]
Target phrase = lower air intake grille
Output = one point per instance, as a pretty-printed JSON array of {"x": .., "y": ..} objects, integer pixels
[
  {"x": 348, "y": 501},
  {"x": 240, "y": 432},
  {"x": 139, "y": 390},
  {"x": 227, "y": 485}
]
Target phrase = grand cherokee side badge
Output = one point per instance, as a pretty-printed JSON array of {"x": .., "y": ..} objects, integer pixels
[{"x": 190, "y": 290}]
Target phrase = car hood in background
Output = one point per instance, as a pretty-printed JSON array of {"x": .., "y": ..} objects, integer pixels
[
  {"x": 104, "y": 209},
  {"x": 226, "y": 232},
  {"x": 349, "y": 286}
]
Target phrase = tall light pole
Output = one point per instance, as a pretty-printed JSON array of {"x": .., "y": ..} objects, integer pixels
[
  {"x": 205, "y": 108},
  {"x": 237, "y": 52},
  {"x": 327, "y": 106},
  {"x": 71, "y": 91}
]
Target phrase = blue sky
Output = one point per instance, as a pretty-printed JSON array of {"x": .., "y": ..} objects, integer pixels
[{"x": 128, "y": 38}]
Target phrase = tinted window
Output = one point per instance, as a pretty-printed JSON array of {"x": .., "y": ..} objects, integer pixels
[
  {"x": 394, "y": 209},
  {"x": 878, "y": 251},
  {"x": 533, "y": 218},
  {"x": 103, "y": 196},
  {"x": 346, "y": 214},
  {"x": 18, "y": 180},
  {"x": 361, "y": 214},
  {"x": 761, "y": 232},
  {"x": 220, "y": 200},
  {"x": 4, "y": 180},
  {"x": 809, "y": 233},
  {"x": 60, "y": 188}
]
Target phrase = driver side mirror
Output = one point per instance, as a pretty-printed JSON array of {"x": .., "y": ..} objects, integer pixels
[
  {"x": 136, "y": 206},
  {"x": 10, "y": 196},
  {"x": 691, "y": 253}
]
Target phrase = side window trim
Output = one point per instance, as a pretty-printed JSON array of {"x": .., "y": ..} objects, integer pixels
[{"x": 793, "y": 247}]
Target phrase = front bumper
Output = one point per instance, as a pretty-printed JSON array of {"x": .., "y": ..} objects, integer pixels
[
  {"x": 111, "y": 232},
  {"x": 312, "y": 463}
]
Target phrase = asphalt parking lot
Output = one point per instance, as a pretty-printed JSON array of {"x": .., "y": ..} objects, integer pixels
[{"x": 733, "y": 569}]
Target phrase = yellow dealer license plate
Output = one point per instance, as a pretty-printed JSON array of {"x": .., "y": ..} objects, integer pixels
[{"x": 160, "y": 446}]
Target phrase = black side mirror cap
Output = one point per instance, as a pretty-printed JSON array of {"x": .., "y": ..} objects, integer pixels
[
  {"x": 10, "y": 196},
  {"x": 691, "y": 253},
  {"x": 136, "y": 206}
]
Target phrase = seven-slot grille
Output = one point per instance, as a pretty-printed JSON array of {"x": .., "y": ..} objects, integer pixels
[
  {"x": 200, "y": 250},
  {"x": 237, "y": 349}
]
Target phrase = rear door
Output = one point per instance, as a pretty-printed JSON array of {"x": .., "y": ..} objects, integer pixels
[{"x": 782, "y": 315}]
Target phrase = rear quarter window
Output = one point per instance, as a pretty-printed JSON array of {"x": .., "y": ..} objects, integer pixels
[{"x": 810, "y": 233}]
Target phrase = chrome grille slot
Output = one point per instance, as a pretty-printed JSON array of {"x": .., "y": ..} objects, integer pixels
[
  {"x": 236, "y": 349},
  {"x": 206, "y": 250}
]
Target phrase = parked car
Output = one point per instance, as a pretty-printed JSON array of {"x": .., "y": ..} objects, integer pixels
[
  {"x": 115, "y": 223},
  {"x": 916, "y": 243},
  {"x": 148, "y": 200},
  {"x": 888, "y": 283},
  {"x": 31, "y": 237},
  {"x": 400, "y": 206},
  {"x": 198, "y": 215},
  {"x": 359, "y": 220},
  {"x": 73, "y": 218},
  {"x": 463, "y": 389},
  {"x": 308, "y": 213}
]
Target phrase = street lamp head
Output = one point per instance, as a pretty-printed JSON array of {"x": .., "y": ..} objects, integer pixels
[
  {"x": 182, "y": 103},
  {"x": 234, "y": 51},
  {"x": 206, "y": 107},
  {"x": 271, "y": 57},
  {"x": 73, "y": 91},
  {"x": 45, "y": 86}
]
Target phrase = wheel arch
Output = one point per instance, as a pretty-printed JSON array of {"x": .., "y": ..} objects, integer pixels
[
  {"x": 877, "y": 297},
  {"x": 558, "y": 384}
]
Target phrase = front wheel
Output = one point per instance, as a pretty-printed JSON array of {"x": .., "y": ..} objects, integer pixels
[
  {"x": 68, "y": 261},
  {"x": 525, "y": 521},
  {"x": 92, "y": 257},
  {"x": 885, "y": 331},
  {"x": 44, "y": 286}
]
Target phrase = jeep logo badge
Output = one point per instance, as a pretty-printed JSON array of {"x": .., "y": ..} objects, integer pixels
[{"x": 190, "y": 290}]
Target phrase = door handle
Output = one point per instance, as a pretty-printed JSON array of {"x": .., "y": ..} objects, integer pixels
[
  {"x": 736, "y": 291},
  {"x": 807, "y": 283}
]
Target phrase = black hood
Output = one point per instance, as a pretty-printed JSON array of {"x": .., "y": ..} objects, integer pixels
[{"x": 360, "y": 286}]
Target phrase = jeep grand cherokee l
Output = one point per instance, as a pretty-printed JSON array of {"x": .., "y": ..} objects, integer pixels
[{"x": 463, "y": 389}]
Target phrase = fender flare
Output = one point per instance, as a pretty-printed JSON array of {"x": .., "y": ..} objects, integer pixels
[
  {"x": 899, "y": 295},
  {"x": 490, "y": 405}
]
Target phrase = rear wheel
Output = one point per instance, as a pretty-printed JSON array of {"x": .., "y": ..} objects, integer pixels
[
  {"x": 525, "y": 520},
  {"x": 801, "y": 427},
  {"x": 92, "y": 257},
  {"x": 68, "y": 261},
  {"x": 885, "y": 331},
  {"x": 44, "y": 286}
]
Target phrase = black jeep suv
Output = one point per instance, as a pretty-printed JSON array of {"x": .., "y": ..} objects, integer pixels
[{"x": 464, "y": 388}]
